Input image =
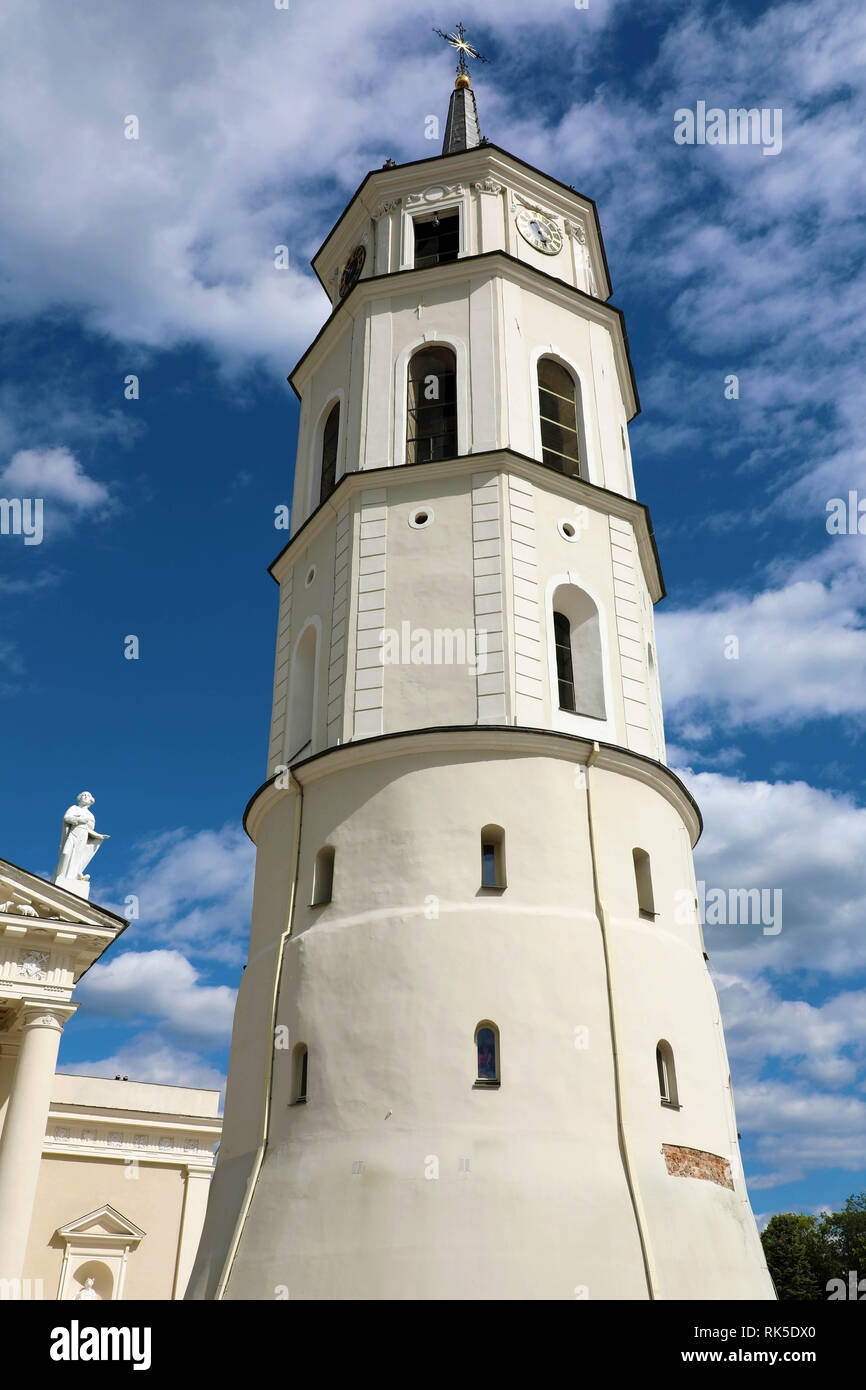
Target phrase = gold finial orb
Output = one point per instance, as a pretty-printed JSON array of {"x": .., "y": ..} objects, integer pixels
[{"x": 462, "y": 81}]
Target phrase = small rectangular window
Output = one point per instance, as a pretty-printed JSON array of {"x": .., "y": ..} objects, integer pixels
[
  {"x": 323, "y": 877},
  {"x": 437, "y": 239},
  {"x": 492, "y": 857},
  {"x": 488, "y": 866},
  {"x": 664, "y": 1084},
  {"x": 644, "y": 884}
]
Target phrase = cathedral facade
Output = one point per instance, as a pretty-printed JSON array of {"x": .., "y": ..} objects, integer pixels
[
  {"x": 103, "y": 1181},
  {"x": 477, "y": 1052}
]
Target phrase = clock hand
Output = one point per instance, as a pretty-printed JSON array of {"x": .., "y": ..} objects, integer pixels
[{"x": 540, "y": 232}]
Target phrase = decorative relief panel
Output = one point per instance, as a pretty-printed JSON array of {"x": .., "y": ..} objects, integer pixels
[
  {"x": 384, "y": 208},
  {"x": 20, "y": 908},
  {"x": 33, "y": 965},
  {"x": 434, "y": 194},
  {"x": 519, "y": 202}
]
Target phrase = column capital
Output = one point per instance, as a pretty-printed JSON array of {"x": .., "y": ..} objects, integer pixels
[{"x": 41, "y": 1013}]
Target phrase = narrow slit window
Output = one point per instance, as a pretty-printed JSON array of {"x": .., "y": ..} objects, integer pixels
[
  {"x": 564, "y": 661},
  {"x": 558, "y": 411},
  {"x": 300, "y": 1079},
  {"x": 644, "y": 884},
  {"x": 437, "y": 239},
  {"x": 487, "y": 1052},
  {"x": 323, "y": 876},
  {"x": 330, "y": 441},
  {"x": 431, "y": 423},
  {"x": 493, "y": 857},
  {"x": 667, "y": 1074}
]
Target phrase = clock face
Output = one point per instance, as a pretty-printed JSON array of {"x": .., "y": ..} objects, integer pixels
[
  {"x": 352, "y": 269},
  {"x": 540, "y": 231}
]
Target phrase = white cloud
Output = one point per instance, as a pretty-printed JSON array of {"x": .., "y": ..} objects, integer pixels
[
  {"x": 255, "y": 125},
  {"x": 55, "y": 475},
  {"x": 801, "y": 650},
  {"x": 144, "y": 1058},
  {"x": 164, "y": 986},
  {"x": 822, "y": 1043},
  {"x": 194, "y": 891},
  {"x": 807, "y": 842},
  {"x": 796, "y": 1129}
]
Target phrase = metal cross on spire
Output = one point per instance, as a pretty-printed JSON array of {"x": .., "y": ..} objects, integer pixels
[{"x": 458, "y": 40}]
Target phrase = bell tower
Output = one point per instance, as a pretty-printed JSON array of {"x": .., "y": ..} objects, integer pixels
[{"x": 477, "y": 1053}]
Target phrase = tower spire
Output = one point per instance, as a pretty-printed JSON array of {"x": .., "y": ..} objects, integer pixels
[{"x": 462, "y": 131}]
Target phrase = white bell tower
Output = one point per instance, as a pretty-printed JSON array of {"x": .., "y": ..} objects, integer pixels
[{"x": 477, "y": 1053}]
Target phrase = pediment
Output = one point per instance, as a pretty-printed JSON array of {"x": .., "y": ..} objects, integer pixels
[
  {"x": 103, "y": 1224},
  {"x": 25, "y": 896}
]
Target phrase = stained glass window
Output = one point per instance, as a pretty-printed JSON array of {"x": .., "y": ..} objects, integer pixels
[{"x": 486, "y": 1043}]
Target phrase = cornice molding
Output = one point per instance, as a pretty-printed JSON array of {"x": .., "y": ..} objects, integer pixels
[
  {"x": 503, "y": 739},
  {"x": 492, "y": 263},
  {"x": 575, "y": 490}
]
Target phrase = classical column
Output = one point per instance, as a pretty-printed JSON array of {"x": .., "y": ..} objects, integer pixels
[
  {"x": 196, "y": 1189},
  {"x": 24, "y": 1130}
]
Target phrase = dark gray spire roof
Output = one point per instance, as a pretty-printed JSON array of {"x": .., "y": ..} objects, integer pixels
[{"x": 461, "y": 128}]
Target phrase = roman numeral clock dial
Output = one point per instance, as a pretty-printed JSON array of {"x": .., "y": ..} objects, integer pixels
[{"x": 541, "y": 232}]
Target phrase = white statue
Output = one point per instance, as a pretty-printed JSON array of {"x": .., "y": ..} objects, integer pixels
[
  {"x": 88, "y": 1291},
  {"x": 78, "y": 844}
]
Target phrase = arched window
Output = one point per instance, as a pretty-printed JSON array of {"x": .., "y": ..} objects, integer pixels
[
  {"x": 323, "y": 876},
  {"x": 330, "y": 440},
  {"x": 302, "y": 684},
  {"x": 299, "y": 1075},
  {"x": 644, "y": 883},
  {"x": 487, "y": 1052},
  {"x": 431, "y": 422},
  {"x": 667, "y": 1074},
  {"x": 577, "y": 639},
  {"x": 493, "y": 857},
  {"x": 558, "y": 408}
]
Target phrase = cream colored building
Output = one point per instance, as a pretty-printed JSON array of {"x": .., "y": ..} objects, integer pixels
[
  {"x": 100, "y": 1180},
  {"x": 477, "y": 1052}
]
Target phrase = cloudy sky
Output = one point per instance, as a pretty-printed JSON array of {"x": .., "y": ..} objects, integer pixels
[{"x": 155, "y": 257}]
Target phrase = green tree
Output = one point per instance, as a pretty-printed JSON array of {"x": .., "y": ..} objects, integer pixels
[
  {"x": 795, "y": 1255},
  {"x": 843, "y": 1235}
]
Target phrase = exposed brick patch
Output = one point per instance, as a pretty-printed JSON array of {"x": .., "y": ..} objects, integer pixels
[{"x": 697, "y": 1163}]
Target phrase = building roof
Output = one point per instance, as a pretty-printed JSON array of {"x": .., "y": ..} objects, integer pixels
[{"x": 462, "y": 131}]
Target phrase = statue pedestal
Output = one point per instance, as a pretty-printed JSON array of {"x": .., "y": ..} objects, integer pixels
[{"x": 79, "y": 886}]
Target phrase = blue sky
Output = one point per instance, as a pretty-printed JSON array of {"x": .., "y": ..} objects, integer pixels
[{"x": 155, "y": 257}]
